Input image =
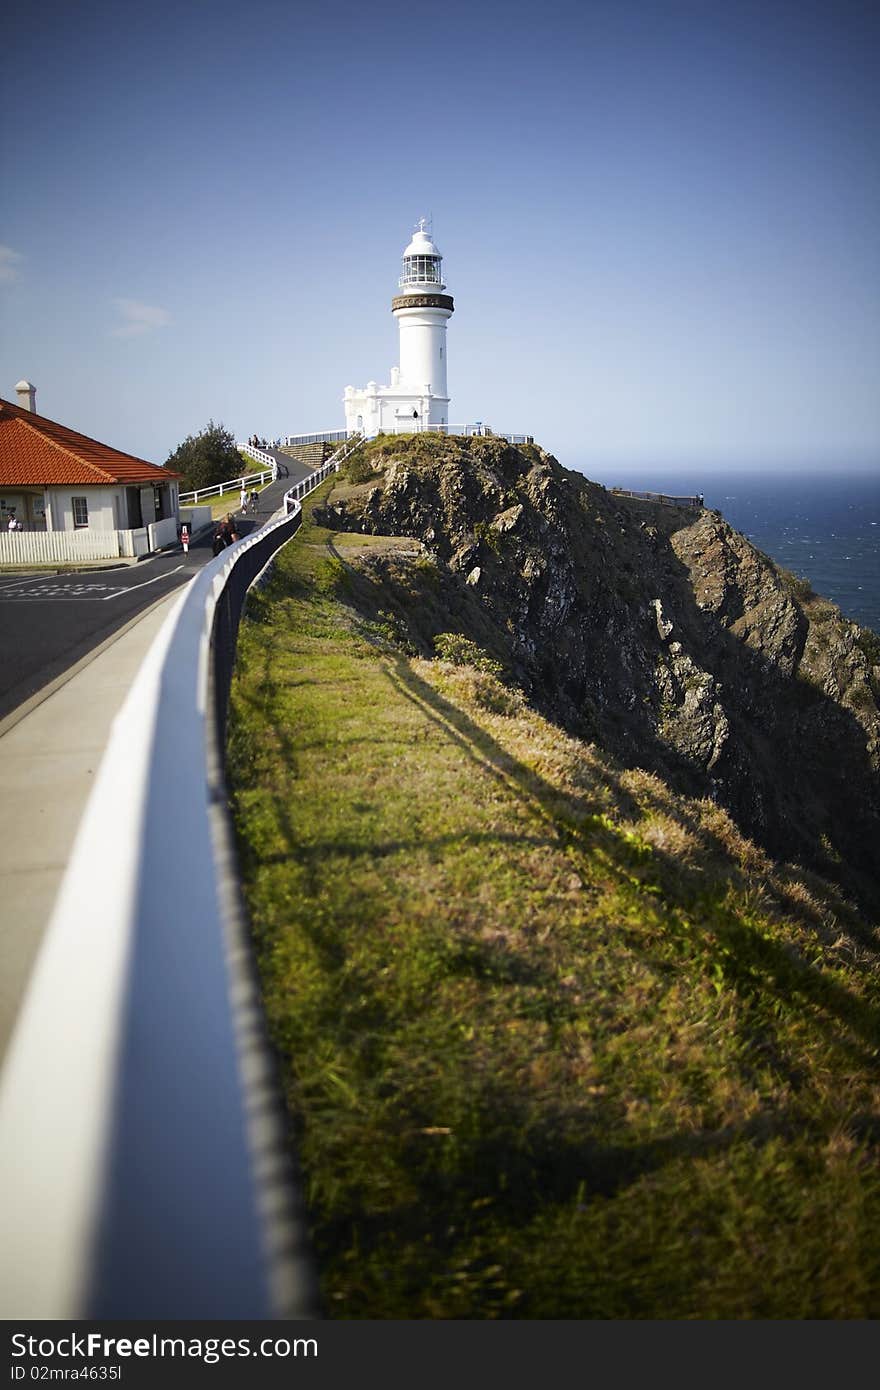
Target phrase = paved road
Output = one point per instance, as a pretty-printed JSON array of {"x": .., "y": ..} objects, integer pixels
[{"x": 48, "y": 622}]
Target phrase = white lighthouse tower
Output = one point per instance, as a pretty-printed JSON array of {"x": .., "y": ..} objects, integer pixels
[{"x": 417, "y": 396}]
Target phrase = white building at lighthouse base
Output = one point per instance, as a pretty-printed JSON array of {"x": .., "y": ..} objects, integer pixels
[{"x": 395, "y": 408}]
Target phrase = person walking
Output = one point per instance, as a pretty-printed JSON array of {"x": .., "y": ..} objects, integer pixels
[{"x": 242, "y": 499}]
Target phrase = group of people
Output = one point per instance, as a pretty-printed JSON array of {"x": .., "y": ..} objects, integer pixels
[
  {"x": 13, "y": 524},
  {"x": 257, "y": 443}
]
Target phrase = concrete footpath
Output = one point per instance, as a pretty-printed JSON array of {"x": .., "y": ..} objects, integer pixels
[{"x": 50, "y": 749}]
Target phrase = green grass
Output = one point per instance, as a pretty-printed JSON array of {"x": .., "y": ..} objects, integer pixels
[{"x": 557, "y": 1043}]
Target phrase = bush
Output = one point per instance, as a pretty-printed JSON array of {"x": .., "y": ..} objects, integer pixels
[
  {"x": 795, "y": 586},
  {"x": 869, "y": 645},
  {"x": 491, "y": 695},
  {"x": 461, "y": 651},
  {"x": 390, "y": 630},
  {"x": 207, "y": 458},
  {"x": 357, "y": 467}
]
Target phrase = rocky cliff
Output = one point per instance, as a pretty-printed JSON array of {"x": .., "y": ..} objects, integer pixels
[{"x": 659, "y": 633}]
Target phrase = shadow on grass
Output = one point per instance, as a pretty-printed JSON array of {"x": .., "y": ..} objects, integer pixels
[
  {"x": 515, "y": 1146},
  {"x": 746, "y": 958}
]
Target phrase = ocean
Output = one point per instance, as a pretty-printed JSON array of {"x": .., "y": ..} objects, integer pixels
[{"x": 824, "y": 527}]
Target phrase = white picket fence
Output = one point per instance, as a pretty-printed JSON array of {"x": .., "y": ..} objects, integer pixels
[{"x": 50, "y": 547}]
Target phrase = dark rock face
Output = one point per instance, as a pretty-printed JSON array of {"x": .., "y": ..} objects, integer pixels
[{"x": 660, "y": 633}]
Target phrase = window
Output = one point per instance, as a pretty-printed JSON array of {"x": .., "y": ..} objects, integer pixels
[
  {"x": 80, "y": 511},
  {"x": 420, "y": 270}
]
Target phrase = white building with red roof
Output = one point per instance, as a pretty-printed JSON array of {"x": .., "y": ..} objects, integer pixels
[{"x": 53, "y": 479}]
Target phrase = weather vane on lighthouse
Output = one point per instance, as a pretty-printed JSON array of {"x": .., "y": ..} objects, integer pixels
[{"x": 416, "y": 398}]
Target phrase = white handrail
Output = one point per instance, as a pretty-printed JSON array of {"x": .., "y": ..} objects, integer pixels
[
  {"x": 188, "y": 499},
  {"x": 301, "y": 489},
  {"x": 254, "y": 452},
  {"x": 140, "y": 1158}
]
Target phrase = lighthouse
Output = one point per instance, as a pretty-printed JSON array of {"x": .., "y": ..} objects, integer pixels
[{"x": 417, "y": 396}]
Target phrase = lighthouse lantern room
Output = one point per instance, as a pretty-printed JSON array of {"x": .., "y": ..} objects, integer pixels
[{"x": 417, "y": 395}]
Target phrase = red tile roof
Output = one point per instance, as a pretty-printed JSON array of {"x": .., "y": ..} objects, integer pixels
[{"x": 36, "y": 452}]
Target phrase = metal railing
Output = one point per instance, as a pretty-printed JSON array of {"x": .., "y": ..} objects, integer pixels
[
  {"x": 466, "y": 431},
  {"x": 143, "y": 1170},
  {"x": 188, "y": 499},
  {"x": 476, "y": 428},
  {"x": 325, "y": 437},
  {"x": 664, "y": 498}
]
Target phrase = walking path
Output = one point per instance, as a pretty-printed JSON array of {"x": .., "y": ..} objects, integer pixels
[
  {"x": 50, "y": 749},
  {"x": 49, "y": 753}
]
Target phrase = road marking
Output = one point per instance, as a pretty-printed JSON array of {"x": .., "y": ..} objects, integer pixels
[
  {"x": 49, "y": 592},
  {"x": 11, "y": 582},
  {"x": 83, "y": 593},
  {"x": 131, "y": 587}
]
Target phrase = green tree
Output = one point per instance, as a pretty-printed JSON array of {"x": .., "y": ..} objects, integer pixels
[{"x": 207, "y": 458}]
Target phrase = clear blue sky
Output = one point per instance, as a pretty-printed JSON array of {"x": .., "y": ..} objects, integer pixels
[{"x": 660, "y": 219}]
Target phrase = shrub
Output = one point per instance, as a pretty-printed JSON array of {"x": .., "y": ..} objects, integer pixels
[
  {"x": 357, "y": 468},
  {"x": 795, "y": 586},
  {"x": 207, "y": 458},
  {"x": 389, "y": 630},
  {"x": 491, "y": 695},
  {"x": 869, "y": 644},
  {"x": 461, "y": 651},
  {"x": 330, "y": 576}
]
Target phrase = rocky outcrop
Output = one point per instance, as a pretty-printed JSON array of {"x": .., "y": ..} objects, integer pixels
[{"x": 660, "y": 633}]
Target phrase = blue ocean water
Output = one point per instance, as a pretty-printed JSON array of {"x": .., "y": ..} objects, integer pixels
[{"x": 824, "y": 527}]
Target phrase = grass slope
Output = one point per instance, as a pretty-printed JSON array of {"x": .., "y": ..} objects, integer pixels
[{"x": 557, "y": 1043}]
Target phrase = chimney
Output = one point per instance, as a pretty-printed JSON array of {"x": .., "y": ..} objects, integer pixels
[{"x": 27, "y": 395}]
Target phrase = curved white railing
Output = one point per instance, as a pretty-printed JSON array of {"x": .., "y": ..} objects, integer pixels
[
  {"x": 294, "y": 495},
  {"x": 187, "y": 499},
  {"x": 253, "y": 451},
  {"x": 142, "y": 1168}
]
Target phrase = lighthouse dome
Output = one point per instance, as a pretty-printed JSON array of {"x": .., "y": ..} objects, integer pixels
[{"x": 421, "y": 245}]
